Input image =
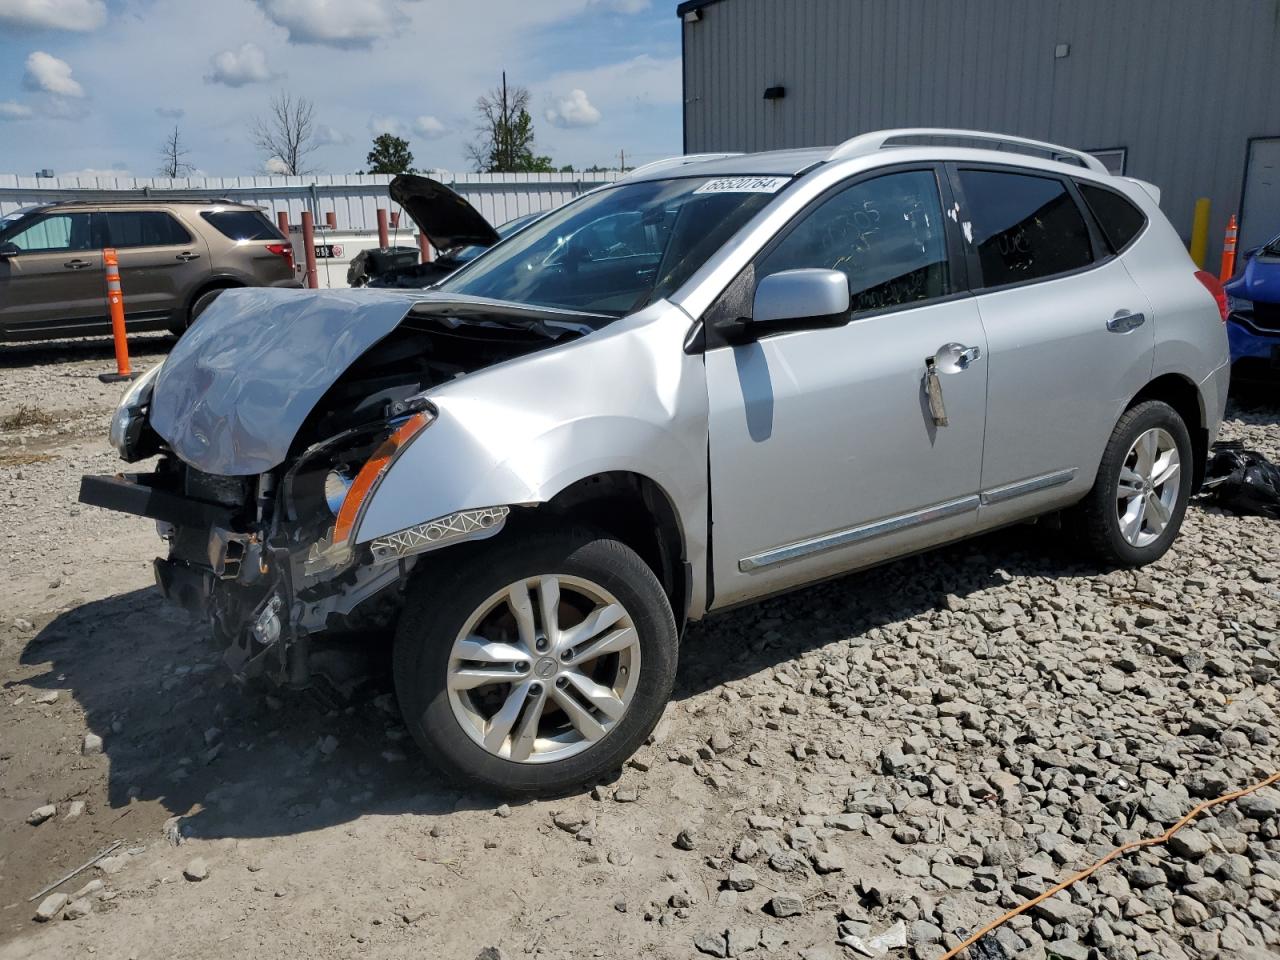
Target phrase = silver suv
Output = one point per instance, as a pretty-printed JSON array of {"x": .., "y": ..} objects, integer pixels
[{"x": 718, "y": 379}]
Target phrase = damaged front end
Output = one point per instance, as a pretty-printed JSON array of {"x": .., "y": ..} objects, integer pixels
[{"x": 272, "y": 440}]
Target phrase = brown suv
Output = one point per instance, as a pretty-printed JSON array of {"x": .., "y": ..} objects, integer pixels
[{"x": 175, "y": 257}]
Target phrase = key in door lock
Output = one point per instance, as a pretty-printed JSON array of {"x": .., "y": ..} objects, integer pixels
[{"x": 933, "y": 388}]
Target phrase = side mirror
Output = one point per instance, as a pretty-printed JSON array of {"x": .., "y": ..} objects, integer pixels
[
  {"x": 800, "y": 300},
  {"x": 8, "y": 250}
]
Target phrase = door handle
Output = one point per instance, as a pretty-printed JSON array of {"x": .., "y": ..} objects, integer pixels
[
  {"x": 186, "y": 256},
  {"x": 1124, "y": 321},
  {"x": 76, "y": 264},
  {"x": 955, "y": 357}
]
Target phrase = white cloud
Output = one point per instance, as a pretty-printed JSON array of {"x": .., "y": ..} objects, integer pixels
[
  {"x": 171, "y": 113},
  {"x": 80, "y": 15},
  {"x": 331, "y": 136},
  {"x": 276, "y": 165},
  {"x": 10, "y": 110},
  {"x": 89, "y": 173},
  {"x": 383, "y": 123},
  {"x": 47, "y": 74},
  {"x": 236, "y": 68},
  {"x": 575, "y": 110},
  {"x": 429, "y": 127},
  {"x": 642, "y": 79},
  {"x": 335, "y": 23}
]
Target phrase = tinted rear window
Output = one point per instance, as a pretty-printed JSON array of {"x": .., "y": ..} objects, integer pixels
[
  {"x": 242, "y": 224},
  {"x": 144, "y": 228},
  {"x": 1024, "y": 227},
  {"x": 1119, "y": 219}
]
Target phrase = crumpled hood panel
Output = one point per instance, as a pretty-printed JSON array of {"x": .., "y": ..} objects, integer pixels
[{"x": 238, "y": 385}]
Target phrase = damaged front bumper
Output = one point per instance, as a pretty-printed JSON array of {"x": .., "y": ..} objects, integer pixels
[
  {"x": 215, "y": 570},
  {"x": 262, "y": 591}
]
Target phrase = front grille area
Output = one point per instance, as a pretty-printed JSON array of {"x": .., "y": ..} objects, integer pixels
[{"x": 228, "y": 491}]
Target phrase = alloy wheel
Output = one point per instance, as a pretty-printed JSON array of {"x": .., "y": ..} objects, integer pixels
[
  {"x": 1148, "y": 489},
  {"x": 544, "y": 669}
]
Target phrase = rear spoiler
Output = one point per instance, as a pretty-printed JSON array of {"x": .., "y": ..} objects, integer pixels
[{"x": 1151, "y": 189}]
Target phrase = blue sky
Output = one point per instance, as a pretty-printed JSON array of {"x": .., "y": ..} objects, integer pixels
[{"x": 91, "y": 86}]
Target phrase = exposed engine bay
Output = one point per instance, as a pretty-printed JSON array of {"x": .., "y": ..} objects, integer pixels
[{"x": 270, "y": 557}]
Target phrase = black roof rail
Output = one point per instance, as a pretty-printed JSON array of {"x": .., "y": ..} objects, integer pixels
[{"x": 149, "y": 198}]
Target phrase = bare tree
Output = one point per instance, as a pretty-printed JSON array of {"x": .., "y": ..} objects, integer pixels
[
  {"x": 504, "y": 141},
  {"x": 287, "y": 132},
  {"x": 173, "y": 156}
]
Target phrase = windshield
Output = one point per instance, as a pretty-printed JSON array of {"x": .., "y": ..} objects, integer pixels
[
  {"x": 471, "y": 251},
  {"x": 13, "y": 216},
  {"x": 613, "y": 251}
]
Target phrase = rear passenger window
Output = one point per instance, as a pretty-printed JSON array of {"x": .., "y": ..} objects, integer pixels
[
  {"x": 1024, "y": 227},
  {"x": 886, "y": 235},
  {"x": 1119, "y": 219},
  {"x": 145, "y": 228},
  {"x": 242, "y": 225}
]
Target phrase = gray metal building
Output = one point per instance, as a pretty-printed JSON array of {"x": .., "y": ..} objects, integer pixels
[{"x": 1184, "y": 93}]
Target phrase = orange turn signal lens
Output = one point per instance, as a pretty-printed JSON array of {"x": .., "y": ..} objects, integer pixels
[{"x": 372, "y": 472}]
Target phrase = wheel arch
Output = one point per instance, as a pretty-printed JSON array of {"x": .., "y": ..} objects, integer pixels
[
  {"x": 220, "y": 282},
  {"x": 1184, "y": 396},
  {"x": 637, "y": 511}
]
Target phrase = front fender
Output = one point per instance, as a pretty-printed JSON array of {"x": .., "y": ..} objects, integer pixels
[
  {"x": 626, "y": 398},
  {"x": 463, "y": 462}
]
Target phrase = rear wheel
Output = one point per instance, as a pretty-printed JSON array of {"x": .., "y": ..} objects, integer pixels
[
  {"x": 198, "y": 306},
  {"x": 1135, "y": 509},
  {"x": 539, "y": 664}
]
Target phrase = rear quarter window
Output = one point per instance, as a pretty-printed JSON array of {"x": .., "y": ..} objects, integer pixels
[
  {"x": 1024, "y": 227},
  {"x": 242, "y": 224},
  {"x": 1120, "y": 220}
]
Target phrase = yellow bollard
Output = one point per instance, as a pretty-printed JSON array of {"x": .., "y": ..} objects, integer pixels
[{"x": 1200, "y": 232}]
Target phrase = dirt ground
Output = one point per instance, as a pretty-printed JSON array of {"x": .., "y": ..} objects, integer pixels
[{"x": 324, "y": 835}]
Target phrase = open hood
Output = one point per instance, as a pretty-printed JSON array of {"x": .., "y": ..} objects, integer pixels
[{"x": 445, "y": 218}]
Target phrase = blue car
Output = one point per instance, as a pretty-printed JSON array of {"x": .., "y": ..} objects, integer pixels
[{"x": 1253, "y": 326}]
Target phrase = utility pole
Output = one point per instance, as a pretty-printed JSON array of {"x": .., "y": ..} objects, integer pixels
[{"x": 622, "y": 161}]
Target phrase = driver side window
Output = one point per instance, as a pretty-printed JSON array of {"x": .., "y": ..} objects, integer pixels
[
  {"x": 886, "y": 235},
  {"x": 62, "y": 231}
]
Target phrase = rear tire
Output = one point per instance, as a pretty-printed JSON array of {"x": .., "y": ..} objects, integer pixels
[
  {"x": 503, "y": 696},
  {"x": 1134, "y": 511},
  {"x": 200, "y": 304}
]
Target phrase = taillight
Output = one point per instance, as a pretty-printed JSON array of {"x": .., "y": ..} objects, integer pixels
[
  {"x": 280, "y": 249},
  {"x": 1215, "y": 288}
]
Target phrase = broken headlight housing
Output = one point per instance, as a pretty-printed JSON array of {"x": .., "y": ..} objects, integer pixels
[
  {"x": 130, "y": 417},
  {"x": 326, "y": 491}
]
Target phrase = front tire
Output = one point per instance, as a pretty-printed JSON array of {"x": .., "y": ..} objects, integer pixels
[
  {"x": 538, "y": 664},
  {"x": 1135, "y": 509}
]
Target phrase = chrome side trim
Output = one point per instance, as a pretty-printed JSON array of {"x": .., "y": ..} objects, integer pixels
[
  {"x": 1022, "y": 487},
  {"x": 842, "y": 538}
]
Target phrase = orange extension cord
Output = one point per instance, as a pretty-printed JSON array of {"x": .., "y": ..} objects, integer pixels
[{"x": 1152, "y": 841}]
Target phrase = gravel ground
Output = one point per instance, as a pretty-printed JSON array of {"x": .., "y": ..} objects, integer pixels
[{"x": 893, "y": 758}]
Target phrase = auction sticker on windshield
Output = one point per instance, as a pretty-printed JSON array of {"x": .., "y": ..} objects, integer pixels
[{"x": 743, "y": 185}]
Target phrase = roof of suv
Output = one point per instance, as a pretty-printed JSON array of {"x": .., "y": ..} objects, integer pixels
[
  {"x": 792, "y": 162},
  {"x": 149, "y": 201}
]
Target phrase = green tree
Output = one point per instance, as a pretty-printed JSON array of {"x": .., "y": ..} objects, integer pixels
[
  {"x": 390, "y": 154},
  {"x": 504, "y": 133}
]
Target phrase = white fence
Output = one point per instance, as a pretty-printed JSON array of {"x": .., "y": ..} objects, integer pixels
[{"x": 354, "y": 198}]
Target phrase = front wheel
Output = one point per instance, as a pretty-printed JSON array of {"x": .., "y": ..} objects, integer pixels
[
  {"x": 537, "y": 665},
  {"x": 1135, "y": 509}
]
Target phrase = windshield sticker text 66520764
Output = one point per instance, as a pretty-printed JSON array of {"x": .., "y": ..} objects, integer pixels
[{"x": 743, "y": 185}]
